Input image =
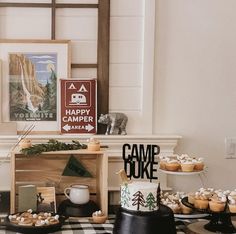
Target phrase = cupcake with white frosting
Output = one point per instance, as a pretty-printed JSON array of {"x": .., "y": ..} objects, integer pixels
[
  {"x": 201, "y": 199},
  {"x": 217, "y": 202},
  {"x": 183, "y": 157},
  {"x": 233, "y": 194},
  {"x": 232, "y": 204},
  {"x": 93, "y": 144},
  {"x": 172, "y": 165},
  {"x": 163, "y": 161},
  {"x": 199, "y": 164},
  {"x": 187, "y": 165}
]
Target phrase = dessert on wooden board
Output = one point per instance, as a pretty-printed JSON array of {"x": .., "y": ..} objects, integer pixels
[{"x": 29, "y": 218}]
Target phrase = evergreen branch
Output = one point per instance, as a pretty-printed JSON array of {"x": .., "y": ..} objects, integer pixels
[{"x": 52, "y": 145}]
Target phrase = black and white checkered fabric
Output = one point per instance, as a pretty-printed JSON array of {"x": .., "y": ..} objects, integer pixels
[{"x": 86, "y": 226}]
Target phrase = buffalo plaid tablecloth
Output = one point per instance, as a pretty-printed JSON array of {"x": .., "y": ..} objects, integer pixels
[{"x": 86, "y": 226}]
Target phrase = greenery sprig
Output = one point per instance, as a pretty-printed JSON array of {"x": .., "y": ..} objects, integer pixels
[{"x": 52, "y": 145}]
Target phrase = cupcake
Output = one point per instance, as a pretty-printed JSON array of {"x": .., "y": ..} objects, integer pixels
[
  {"x": 191, "y": 198},
  {"x": 25, "y": 143},
  {"x": 93, "y": 145},
  {"x": 14, "y": 218},
  {"x": 185, "y": 209},
  {"x": 199, "y": 164},
  {"x": 201, "y": 203},
  {"x": 25, "y": 222},
  {"x": 232, "y": 204},
  {"x": 174, "y": 207},
  {"x": 163, "y": 162},
  {"x": 187, "y": 166},
  {"x": 99, "y": 217},
  {"x": 172, "y": 165},
  {"x": 226, "y": 193},
  {"x": 201, "y": 200},
  {"x": 217, "y": 203},
  {"x": 233, "y": 194},
  {"x": 183, "y": 157}
]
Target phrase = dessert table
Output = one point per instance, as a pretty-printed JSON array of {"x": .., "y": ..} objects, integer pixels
[{"x": 86, "y": 226}]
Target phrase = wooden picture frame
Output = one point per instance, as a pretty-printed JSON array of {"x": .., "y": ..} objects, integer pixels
[
  {"x": 5, "y": 128},
  {"x": 31, "y": 70},
  {"x": 46, "y": 199}
]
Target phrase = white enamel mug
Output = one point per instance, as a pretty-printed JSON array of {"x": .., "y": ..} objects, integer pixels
[{"x": 78, "y": 193}]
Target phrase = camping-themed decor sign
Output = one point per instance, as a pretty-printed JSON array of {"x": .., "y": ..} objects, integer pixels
[
  {"x": 78, "y": 106},
  {"x": 139, "y": 160}
]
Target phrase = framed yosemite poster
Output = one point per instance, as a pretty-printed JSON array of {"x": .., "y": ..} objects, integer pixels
[{"x": 31, "y": 70}]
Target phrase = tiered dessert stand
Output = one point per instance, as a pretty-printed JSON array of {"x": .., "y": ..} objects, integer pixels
[
  {"x": 219, "y": 221},
  {"x": 181, "y": 173},
  {"x": 195, "y": 215}
]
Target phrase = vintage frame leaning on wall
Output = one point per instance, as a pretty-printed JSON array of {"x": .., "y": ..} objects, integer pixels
[{"x": 31, "y": 70}]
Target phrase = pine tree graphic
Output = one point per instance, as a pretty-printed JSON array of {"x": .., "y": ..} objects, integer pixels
[
  {"x": 138, "y": 199},
  {"x": 150, "y": 201},
  {"x": 158, "y": 195},
  {"x": 125, "y": 195}
]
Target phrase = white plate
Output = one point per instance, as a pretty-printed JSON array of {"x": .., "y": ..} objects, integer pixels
[
  {"x": 181, "y": 173},
  {"x": 191, "y": 216}
]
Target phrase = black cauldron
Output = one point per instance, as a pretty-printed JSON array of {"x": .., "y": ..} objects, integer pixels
[{"x": 138, "y": 222}]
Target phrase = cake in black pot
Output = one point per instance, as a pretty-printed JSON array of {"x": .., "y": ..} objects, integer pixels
[{"x": 140, "y": 211}]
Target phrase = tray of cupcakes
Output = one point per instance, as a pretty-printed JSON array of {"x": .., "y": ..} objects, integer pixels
[
  {"x": 30, "y": 222},
  {"x": 181, "y": 164},
  {"x": 209, "y": 200},
  {"x": 174, "y": 201},
  {"x": 219, "y": 204}
]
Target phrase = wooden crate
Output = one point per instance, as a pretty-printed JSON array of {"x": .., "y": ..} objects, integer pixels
[{"x": 46, "y": 169}]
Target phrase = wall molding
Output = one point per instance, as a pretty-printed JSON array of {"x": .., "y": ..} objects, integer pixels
[{"x": 114, "y": 143}]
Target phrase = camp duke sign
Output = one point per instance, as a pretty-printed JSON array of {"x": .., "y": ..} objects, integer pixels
[{"x": 139, "y": 160}]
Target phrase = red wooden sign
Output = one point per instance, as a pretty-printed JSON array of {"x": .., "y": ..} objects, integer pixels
[{"x": 78, "y": 106}]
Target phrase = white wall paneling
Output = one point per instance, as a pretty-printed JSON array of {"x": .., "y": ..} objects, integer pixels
[
  {"x": 120, "y": 28},
  {"x": 84, "y": 27},
  {"x": 126, "y": 52},
  {"x": 125, "y": 98},
  {"x": 15, "y": 23},
  {"x": 125, "y": 75},
  {"x": 127, "y": 8},
  {"x": 77, "y": 12},
  {"x": 132, "y": 58},
  {"x": 84, "y": 73},
  {"x": 84, "y": 51}
]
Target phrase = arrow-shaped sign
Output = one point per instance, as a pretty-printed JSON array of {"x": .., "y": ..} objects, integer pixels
[
  {"x": 89, "y": 127},
  {"x": 66, "y": 127}
]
